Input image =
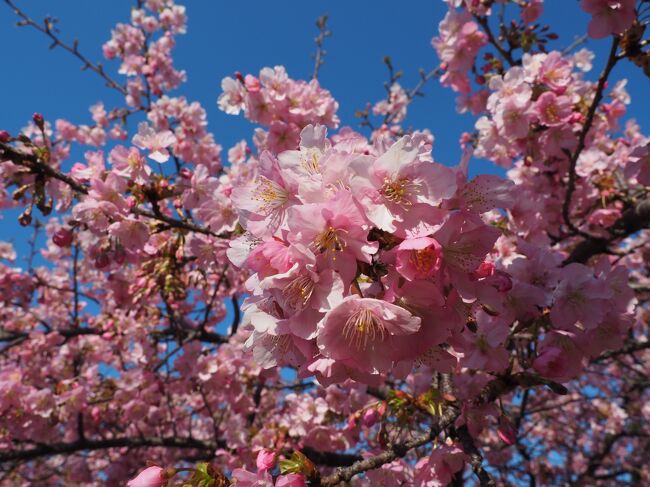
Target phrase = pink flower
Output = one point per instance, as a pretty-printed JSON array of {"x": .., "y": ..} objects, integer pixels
[
  {"x": 440, "y": 467},
  {"x": 400, "y": 178},
  {"x": 484, "y": 350},
  {"x": 558, "y": 357},
  {"x": 608, "y": 16},
  {"x": 362, "y": 332},
  {"x": 604, "y": 217},
  {"x": 63, "y": 237},
  {"x": 532, "y": 11},
  {"x": 419, "y": 258},
  {"x": 132, "y": 233},
  {"x": 553, "y": 110},
  {"x": 265, "y": 460},
  {"x": 580, "y": 297},
  {"x": 155, "y": 142},
  {"x": 335, "y": 231},
  {"x": 128, "y": 163},
  {"x": 465, "y": 241},
  {"x": 149, "y": 477},
  {"x": 555, "y": 72},
  {"x": 639, "y": 165},
  {"x": 262, "y": 203},
  {"x": 291, "y": 480},
  {"x": 244, "y": 478}
]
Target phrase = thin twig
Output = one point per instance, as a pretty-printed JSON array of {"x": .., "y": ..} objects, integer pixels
[
  {"x": 47, "y": 29},
  {"x": 323, "y": 33},
  {"x": 598, "y": 96}
]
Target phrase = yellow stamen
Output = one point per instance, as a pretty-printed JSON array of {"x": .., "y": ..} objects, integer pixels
[
  {"x": 270, "y": 195},
  {"x": 298, "y": 292},
  {"x": 363, "y": 326}
]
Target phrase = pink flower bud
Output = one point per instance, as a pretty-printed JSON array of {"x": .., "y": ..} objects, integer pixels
[
  {"x": 370, "y": 417},
  {"x": 101, "y": 261},
  {"x": 265, "y": 460},
  {"x": 4, "y": 136},
  {"x": 576, "y": 118},
  {"x": 62, "y": 237},
  {"x": 486, "y": 269},
  {"x": 291, "y": 480},
  {"x": 149, "y": 477},
  {"x": 506, "y": 431},
  {"x": 38, "y": 119},
  {"x": 119, "y": 256},
  {"x": 252, "y": 83}
]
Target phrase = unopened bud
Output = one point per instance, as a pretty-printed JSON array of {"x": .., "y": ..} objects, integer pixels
[
  {"x": 101, "y": 261},
  {"x": 4, "y": 136},
  {"x": 506, "y": 431},
  {"x": 63, "y": 237},
  {"x": 38, "y": 120},
  {"x": 25, "y": 217}
]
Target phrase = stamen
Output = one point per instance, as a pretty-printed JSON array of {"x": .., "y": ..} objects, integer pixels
[
  {"x": 363, "y": 326},
  {"x": 298, "y": 292},
  {"x": 330, "y": 241},
  {"x": 270, "y": 195},
  {"x": 400, "y": 191},
  {"x": 423, "y": 259},
  {"x": 311, "y": 161}
]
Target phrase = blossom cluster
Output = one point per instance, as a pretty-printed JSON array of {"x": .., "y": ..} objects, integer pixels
[
  {"x": 280, "y": 103},
  {"x": 400, "y": 319}
]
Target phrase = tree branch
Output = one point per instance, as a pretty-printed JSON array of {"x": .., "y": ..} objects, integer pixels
[
  {"x": 589, "y": 120},
  {"x": 323, "y": 33}
]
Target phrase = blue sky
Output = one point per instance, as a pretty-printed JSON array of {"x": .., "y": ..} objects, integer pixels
[
  {"x": 224, "y": 37},
  {"x": 227, "y": 36}
]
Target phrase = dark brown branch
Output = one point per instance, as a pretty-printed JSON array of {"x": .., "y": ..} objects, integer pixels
[
  {"x": 483, "y": 22},
  {"x": 493, "y": 390},
  {"x": 627, "y": 350},
  {"x": 36, "y": 166},
  {"x": 330, "y": 459},
  {"x": 173, "y": 223},
  {"x": 43, "y": 450},
  {"x": 32, "y": 162},
  {"x": 393, "y": 453},
  {"x": 633, "y": 220},
  {"x": 589, "y": 120},
  {"x": 475, "y": 457}
]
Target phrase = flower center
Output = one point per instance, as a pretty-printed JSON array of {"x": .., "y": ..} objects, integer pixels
[
  {"x": 270, "y": 195},
  {"x": 298, "y": 292},
  {"x": 552, "y": 114},
  {"x": 423, "y": 259},
  {"x": 330, "y": 241},
  {"x": 311, "y": 161},
  {"x": 576, "y": 297},
  {"x": 399, "y": 190},
  {"x": 363, "y": 326}
]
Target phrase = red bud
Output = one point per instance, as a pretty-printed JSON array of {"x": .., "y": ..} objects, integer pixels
[{"x": 62, "y": 237}]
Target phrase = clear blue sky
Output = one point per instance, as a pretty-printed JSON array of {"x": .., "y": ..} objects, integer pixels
[{"x": 246, "y": 35}]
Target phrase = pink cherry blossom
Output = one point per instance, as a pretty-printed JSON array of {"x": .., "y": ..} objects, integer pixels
[
  {"x": 149, "y": 477},
  {"x": 155, "y": 142},
  {"x": 608, "y": 16},
  {"x": 361, "y": 332}
]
